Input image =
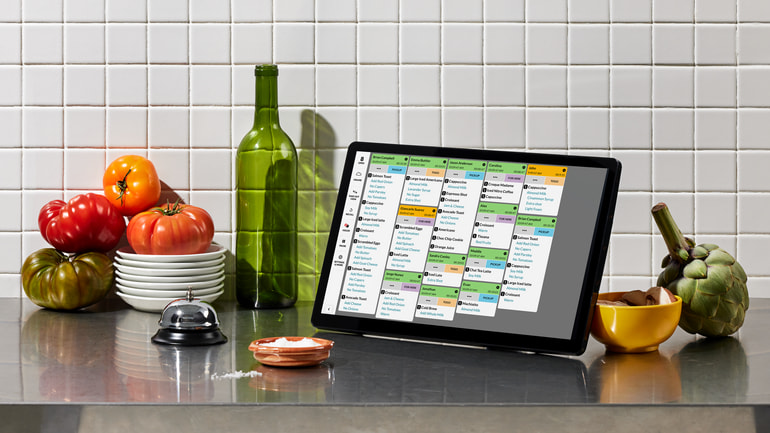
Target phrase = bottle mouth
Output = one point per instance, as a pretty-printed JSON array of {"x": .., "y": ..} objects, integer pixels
[{"x": 266, "y": 71}]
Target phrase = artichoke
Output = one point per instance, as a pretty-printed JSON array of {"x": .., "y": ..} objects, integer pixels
[{"x": 711, "y": 283}]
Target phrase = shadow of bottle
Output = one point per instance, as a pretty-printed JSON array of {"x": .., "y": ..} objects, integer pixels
[{"x": 317, "y": 197}]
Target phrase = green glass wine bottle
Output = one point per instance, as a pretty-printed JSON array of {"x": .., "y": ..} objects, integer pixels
[{"x": 266, "y": 211}]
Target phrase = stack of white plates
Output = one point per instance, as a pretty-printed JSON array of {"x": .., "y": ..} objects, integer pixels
[{"x": 150, "y": 282}]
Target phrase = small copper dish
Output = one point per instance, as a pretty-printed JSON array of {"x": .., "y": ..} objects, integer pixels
[{"x": 291, "y": 356}]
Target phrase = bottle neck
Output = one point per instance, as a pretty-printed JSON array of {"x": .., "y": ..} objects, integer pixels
[{"x": 266, "y": 105}]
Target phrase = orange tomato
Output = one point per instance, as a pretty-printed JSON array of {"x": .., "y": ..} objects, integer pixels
[{"x": 131, "y": 184}]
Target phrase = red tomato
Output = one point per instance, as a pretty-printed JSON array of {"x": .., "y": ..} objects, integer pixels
[
  {"x": 88, "y": 222},
  {"x": 171, "y": 229},
  {"x": 132, "y": 184}
]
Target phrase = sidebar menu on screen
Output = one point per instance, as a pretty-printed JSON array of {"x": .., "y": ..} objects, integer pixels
[{"x": 345, "y": 234}]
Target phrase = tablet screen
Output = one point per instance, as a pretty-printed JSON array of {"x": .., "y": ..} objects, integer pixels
[{"x": 491, "y": 241}]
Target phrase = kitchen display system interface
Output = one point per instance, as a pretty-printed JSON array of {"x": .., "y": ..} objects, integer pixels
[{"x": 478, "y": 244}]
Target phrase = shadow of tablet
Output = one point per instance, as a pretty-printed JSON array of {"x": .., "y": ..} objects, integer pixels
[{"x": 373, "y": 370}]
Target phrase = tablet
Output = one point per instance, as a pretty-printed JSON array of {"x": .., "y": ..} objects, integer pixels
[{"x": 464, "y": 246}]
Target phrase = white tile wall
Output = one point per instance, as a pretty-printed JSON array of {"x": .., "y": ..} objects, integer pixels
[{"x": 678, "y": 90}]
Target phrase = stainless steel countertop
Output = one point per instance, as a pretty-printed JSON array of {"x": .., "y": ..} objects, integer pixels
[{"x": 104, "y": 355}]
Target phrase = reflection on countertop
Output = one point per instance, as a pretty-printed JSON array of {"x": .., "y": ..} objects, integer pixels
[{"x": 104, "y": 354}]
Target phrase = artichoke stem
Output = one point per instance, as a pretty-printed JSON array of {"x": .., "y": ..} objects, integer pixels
[{"x": 673, "y": 237}]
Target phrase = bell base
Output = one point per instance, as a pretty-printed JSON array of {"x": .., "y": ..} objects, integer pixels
[{"x": 189, "y": 338}]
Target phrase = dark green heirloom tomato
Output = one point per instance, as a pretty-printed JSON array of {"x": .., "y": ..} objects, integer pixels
[{"x": 54, "y": 280}]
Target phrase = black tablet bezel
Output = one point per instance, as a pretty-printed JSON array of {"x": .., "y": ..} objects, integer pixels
[{"x": 590, "y": 287}]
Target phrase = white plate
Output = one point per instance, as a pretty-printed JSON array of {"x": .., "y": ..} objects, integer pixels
[
  {"x": 131, "y": 270},
  {"x": 156, "y": 305},
  {"x": 169, "y": 265},
  {"x": 149, "y": 293},
  {"x": 158, "y": 279},
  {"x": 170, "y": 286},
  {"x": 213, "y": 252}
]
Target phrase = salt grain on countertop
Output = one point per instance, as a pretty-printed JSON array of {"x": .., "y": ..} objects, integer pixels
[{"x": 236, "y": 375}]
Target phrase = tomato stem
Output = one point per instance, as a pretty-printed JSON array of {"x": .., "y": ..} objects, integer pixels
[
  {"x": 170, "y": 210},
  {"x": 123, "y": 186},
  {"x": 65, "y": 256}
]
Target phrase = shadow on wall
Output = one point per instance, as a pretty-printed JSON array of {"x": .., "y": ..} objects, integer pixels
[
  {"x": 168, "y": 195},
  {"x": 317, "y": 197}
]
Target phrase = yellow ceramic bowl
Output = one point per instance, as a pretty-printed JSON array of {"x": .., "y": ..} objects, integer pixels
[{"x": 634, "y": 329}]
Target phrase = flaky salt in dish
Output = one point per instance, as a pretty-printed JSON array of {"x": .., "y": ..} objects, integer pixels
[{"x": 283, "y": 342}]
